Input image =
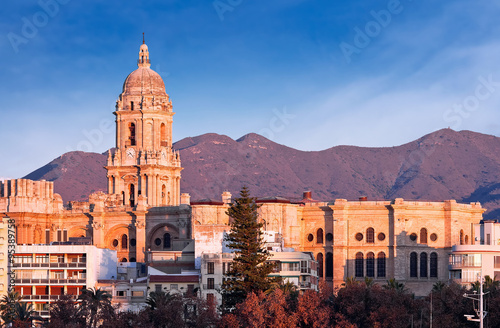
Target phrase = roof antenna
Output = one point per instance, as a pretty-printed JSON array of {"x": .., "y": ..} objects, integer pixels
[{"x": 142, "y": 37}]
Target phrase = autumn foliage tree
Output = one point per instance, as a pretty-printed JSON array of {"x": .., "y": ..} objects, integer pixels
[{"x": 249, "y": 272}]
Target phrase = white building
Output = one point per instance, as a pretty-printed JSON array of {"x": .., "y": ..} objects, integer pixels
[
  {"x": 299, "y": 268},
  {"x": 45, "y": 272},
  {"x": 467, "y": 262}
]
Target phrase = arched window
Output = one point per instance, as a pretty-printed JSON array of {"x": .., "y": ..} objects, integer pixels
[
  {"x": 131, "y": 138},
  {"x": 381, "y": 265},
  {"x": 319, "y": 258},
  {"x": 124, "y": 260},
  {"x": 370, "y": 265},
  {"x": 423, "y": 265},
  {"x": 131, "y": 193},
  {"x": 131, "y": 105},
  {"x": 163, "y": 134},
  {"x": 319, "y": 236},
  {"x": 413, "y": 265},
  {"x": 434, "y": 265},
  {"x": 359, "y": 272},
  {"x": 124, "y": 242},
  {"x": 461, "y": 237},
  {"x": 423, "y": 236},
  {"x": 166, "y": 240},
  {"x": 466, "y": 240},
  {"x": 329, "y": 265},
  {"x": 370, "y": 235}
]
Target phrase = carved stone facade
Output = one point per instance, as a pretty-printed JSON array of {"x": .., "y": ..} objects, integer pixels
[
  {"x": 143, "y": 218},
  {"x": 406, "y": 240}
]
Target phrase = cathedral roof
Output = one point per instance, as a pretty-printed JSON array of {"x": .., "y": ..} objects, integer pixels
[{"x": 144, "y": 81}]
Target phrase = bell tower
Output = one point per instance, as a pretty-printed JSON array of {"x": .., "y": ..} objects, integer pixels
[{"x": 144, "y": 165}]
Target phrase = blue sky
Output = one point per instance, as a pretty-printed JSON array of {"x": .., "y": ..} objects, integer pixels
[{"x": 307, "y": 74}]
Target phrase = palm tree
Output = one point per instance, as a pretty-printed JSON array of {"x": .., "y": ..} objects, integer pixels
[
  {"x": 395, "y": 285},
  {"x": 24, "y": 314},
  {"x": 8, "y": 304},
  {"x": 438, "y": 286},
  {"x": 96, "y": 302},
  {"x": 369, "y": 282},
  {"x": 158, "y": 299},
  {"x": 350, "y": 281}
]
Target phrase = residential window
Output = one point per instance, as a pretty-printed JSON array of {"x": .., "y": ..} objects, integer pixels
[
  {"x": 158, "y": 288},
  {"x": 497, "y": 262},
  {"x": 370, "y": 265},
  {"x": 210, "y": 267},
  {"x": 381, "y": 265},
  {"x": 423, "y": 265},
  {"x": 359, "y": 272},
  {"x": 488, "y": 239},
  {"x": 210, "y": 298},
  {"x": 413, "y": 265},
  {"x": 434, "y": 265},
  {"x": 174, "y": 286},
  {"x": 370, "y": 235},
  {"x": 210, "y": 283}
]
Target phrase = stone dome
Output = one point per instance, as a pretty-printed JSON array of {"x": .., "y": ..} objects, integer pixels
[{"x": 144, "y": 81}]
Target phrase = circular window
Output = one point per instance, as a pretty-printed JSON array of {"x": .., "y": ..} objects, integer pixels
[
  {"x": 434, "y": 237},
  {"x": 157, "y": 241},
  {"x": 115, "y": 242},
  {"x": 310, "y": 237},
  {"x": 329, "y": 237},
  {"x": 359, "y": 236},
  {"x": 381, "y": 236},
  {"x": 413, "y": 236},
  {"x": 132, "y": 242}
]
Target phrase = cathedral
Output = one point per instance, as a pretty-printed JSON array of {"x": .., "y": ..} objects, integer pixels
[{"x": 145, "y": 218}]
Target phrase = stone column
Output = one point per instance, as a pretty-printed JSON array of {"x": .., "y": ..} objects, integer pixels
[
  {"x": 150, "y": 189},
  {"x": 140, "y": 237},
  {"x": 154, "y": 191}
]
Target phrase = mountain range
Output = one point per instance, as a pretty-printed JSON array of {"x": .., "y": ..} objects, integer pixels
[{"x": 442, "y": 165}]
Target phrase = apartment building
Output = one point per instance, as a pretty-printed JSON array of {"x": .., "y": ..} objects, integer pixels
[{"x": 45, "y": 272}]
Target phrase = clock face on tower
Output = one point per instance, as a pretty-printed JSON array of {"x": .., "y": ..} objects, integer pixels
[{"x": 130, "y": 152}]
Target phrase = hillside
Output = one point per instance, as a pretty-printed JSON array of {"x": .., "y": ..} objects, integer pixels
[{"x": 442, "y": 165}]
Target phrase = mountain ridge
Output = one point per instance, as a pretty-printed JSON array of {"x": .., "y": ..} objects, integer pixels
[{"x": 444, "y": 164}]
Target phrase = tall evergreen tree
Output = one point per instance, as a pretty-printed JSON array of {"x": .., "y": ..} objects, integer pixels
[{"x": 249, "y": 271}]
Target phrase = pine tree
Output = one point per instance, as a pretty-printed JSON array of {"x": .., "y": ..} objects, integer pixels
[{"x": 249, "y": 271}]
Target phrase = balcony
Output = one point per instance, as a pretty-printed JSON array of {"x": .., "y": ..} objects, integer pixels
[
  {"x": 305, "y": 284},
  {"x": 305, "y": 270},
  {"x": 44, "y": 297},
  {"x": 39, "y": 281},
  {"x": 211, "y": 287},
  {"x": 51, "y": 265}
]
